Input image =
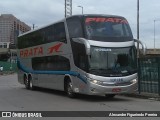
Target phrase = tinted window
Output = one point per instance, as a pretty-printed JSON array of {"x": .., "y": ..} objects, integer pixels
[
  {"x": 51, "y": 33},
  {"x": 74, "y": 27},
  {"x": 79, "y": 55},
  {"x": 32, "y": 39},
  {"x": 59, "y": 32},
  {"x": 55, "y": 32},
  {"x": 56, "y": 62},
  {"x": 111, "y": 29},
  {"x": 48, "y": 34}
]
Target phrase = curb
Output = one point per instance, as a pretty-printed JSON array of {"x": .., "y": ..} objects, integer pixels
[
  {"x": 151, "y": 96},
  {"x": 7, "y": 73}
]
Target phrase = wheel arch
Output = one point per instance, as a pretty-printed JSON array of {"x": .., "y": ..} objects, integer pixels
[
  {"x": 25, "y": 75},
  {"x": 29, "y": 76},
  {"x": 66, "y": 79}
]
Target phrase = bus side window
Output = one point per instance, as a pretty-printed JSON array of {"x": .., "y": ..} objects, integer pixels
[
  {"x": 48, "y": 34},
  {"x": 57, "y": 63},
  {"x": 74, "y": 27},
  {"x": 59, "y": 32},
  {"x": 82, "y": 62}
]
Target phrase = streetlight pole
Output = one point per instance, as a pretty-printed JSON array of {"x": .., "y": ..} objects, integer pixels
[
  {"x": 137, "y": 19},
  {"x": 138, "y": 27},
  {"x": 33, "y": 26},
  {"x": 81, "y": 7},
  {"x": 155, "y": 33}
]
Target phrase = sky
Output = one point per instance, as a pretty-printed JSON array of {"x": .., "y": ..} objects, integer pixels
[{"x": 43, "y": 12}]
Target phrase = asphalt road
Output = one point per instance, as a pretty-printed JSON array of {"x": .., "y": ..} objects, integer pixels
[{"x": 14, "y": 97}]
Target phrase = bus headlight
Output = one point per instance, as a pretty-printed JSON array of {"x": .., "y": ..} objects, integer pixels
[
  {"x": 96, "y": 82},
  {"x": 134, "y": 80}
]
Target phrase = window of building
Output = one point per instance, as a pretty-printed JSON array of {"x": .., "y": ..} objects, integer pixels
[{"x": 5, "y": 45}]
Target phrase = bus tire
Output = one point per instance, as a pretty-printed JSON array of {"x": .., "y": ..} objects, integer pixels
[
  {"x": 69, "y": 89},
  {"x": 26, "y": 82},
  {"x": 110, "y": 95},
  {"x": 31, "y": 86}
]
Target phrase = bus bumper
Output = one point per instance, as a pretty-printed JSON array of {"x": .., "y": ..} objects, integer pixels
[{"x": 95, "y": 89}]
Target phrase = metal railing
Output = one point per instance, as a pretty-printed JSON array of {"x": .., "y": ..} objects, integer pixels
[
  {"x": 8, "y": 66},
  {"x": 149, "y": 74}
]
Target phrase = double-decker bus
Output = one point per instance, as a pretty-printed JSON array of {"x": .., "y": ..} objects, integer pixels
[{"x": 86, "y": 54}]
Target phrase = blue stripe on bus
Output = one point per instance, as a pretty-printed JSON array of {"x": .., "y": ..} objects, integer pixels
[{"x": 73, "y": 73}]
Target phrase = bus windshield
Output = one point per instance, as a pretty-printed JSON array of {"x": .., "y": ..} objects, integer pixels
[
  {"x": 110, "y": 62},
  {"x": 111, "y": 29}
]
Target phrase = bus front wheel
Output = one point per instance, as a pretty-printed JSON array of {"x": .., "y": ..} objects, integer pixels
[{"x": 69, "y": 89}]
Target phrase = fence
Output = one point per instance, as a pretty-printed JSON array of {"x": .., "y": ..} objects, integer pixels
[
  {"x": 8, "y": 66},
  {"x": 149, "y": 74}
]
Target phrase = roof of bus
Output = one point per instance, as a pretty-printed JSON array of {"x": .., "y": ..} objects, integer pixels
[
  {"x": 92, "y": 15},
  {"x": 81, "y": 15}
]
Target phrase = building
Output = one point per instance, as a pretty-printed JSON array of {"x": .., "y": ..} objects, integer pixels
[
  {"x": 153, "y": 52},
  {"x": 10, "y": 28},
  {"x": 4, "y": 44}
]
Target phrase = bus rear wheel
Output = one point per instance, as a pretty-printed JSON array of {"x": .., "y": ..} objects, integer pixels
[
  {"x": 31, "y": 86},
  {"x": 26, "y": 82},
  {"x": 69, "y": 89}
]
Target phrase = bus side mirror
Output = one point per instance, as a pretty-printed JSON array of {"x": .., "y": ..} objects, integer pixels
[{"x": 144, "y": 47}]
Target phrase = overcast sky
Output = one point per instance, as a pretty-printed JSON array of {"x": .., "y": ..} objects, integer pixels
[{"x": 43, "y": 12}]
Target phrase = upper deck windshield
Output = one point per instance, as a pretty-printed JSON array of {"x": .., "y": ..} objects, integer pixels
[{"x": 111, "y": 29}]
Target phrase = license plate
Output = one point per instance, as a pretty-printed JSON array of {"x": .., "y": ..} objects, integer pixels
[{"x": 116, "y": 90}]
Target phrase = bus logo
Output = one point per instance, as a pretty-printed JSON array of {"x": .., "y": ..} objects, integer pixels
[
  {"x": 31, "y": 52},
  {"x": 54, "y": 48},
  {"x": 114, "y": 20}
]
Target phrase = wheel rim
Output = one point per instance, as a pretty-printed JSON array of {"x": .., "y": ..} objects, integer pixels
[
  {"x": 31, "y": 85},
  {"x": 70, "y": 91},
  {"x": 26, "y": 81}
]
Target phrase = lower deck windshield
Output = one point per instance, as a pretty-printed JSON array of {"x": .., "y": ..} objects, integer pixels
[{"x": 111, "y": 62}]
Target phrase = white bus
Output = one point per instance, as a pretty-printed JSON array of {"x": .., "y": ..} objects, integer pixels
[{"x": 85, "y": 54}]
